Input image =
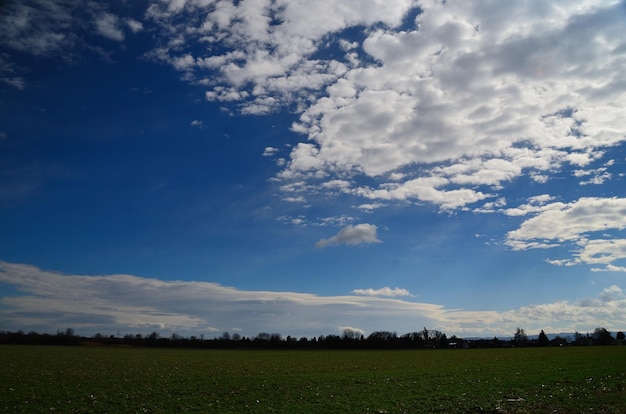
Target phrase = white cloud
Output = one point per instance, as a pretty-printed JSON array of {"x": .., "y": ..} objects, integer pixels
[
  {"x": 588, "y": 224},
  {"x": 270, "y": 151},
  {"x": 337, "y": 185},
  {"x": 610, "y": 268},
  {"x": 602, "y": 251},
  {"x": 370, "y": 206},
  {"x": 135, "y": 26},
  {"x": 612, "y": 294},
  {"x": 352, "y": 235},
  {"x": 597, "y": 179},
  {"x": 197, "y": 123},
  {"x": 451, "y": 109},
  {"x": 109, "y": 26},
  {"x": 570, "y": 222},
  {"x": 535, "y": 204},
  {"x": 302, "y": 220},
  {"x": 386, "y": 291},
  {"x": 298, "y": 199},
  {"x": 335, "y": 221},
  {"x": 426, "y": 189},
  {"x": 48, "y": 301}
]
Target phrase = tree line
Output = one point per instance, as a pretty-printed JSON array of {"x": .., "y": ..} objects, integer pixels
[{"x": 350, "y": 339}]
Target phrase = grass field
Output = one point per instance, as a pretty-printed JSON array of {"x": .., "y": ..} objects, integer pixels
[{"x": 38, "y": 379}]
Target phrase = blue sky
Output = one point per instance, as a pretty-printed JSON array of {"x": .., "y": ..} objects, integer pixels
[{"x": 201, "y": 166}]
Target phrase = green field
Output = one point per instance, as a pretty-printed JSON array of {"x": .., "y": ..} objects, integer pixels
[{"x": 37, "y": 379}]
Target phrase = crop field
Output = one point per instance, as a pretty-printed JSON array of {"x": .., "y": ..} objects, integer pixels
[{"x": 37, "y": 379}]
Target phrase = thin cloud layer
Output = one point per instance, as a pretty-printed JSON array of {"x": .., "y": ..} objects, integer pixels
[{"x": 132, "y": 304}]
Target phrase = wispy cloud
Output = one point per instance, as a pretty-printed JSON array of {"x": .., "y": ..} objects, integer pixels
[
  {"x": 15, "y": 81},
  {"x": 48, "y": 301},
  {"x": 352, "y": 235}
]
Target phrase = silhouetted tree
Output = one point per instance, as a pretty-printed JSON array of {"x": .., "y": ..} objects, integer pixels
[
  {"x": 543, "y": 339},
  {"x": 520, "y": 337},
  {"x": 560, "y": 341},
  {"x": 602, "y": 337},
  {"x": 263, "y": 336},
  {"x": 382, "y": 339},
  {"x": 412, "y": 340},
  {"x": 437, "y": 338},
  {"x": 351, "y": 334}
]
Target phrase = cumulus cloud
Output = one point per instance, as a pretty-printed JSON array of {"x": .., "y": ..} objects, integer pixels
[
  {"x": 448, "y": 108},
  {"x": 352, "y": 235},
  {"x": 47, "y": 301},
  {"x": 592, "y": 225},
  {"x": 386, "y": 291}
]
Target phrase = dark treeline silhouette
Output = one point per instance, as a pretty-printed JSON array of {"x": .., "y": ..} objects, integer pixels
[{"x": 350, "y": 339}]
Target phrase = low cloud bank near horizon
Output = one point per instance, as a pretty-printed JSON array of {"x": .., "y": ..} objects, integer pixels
[{"x": 47, "y": 301}]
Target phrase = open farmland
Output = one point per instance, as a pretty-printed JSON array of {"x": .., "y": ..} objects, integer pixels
[{"x": 37, "y": 379}]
